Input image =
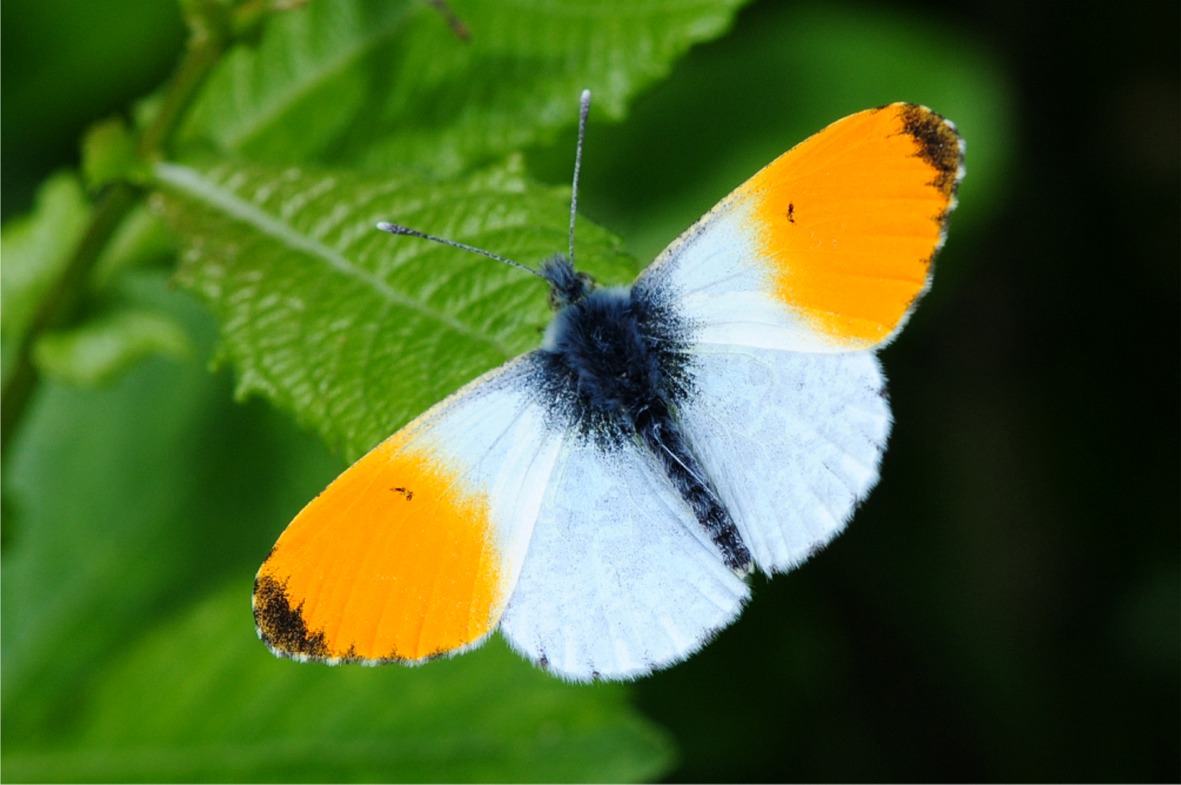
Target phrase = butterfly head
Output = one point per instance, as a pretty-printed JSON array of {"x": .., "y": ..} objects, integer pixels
[{"x": 567, "y": 285}]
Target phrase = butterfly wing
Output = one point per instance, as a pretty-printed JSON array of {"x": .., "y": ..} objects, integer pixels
[
  {"x": 829, "y": 246},
  {"x": 620, "y": 578},
  {"x": 786, "y": 285},
  {"x": 783, "y": 287},
  {"x": 414, "y": 550},
  {"x": 490, "y": 510},
  {"x": 791, "y": 442}
]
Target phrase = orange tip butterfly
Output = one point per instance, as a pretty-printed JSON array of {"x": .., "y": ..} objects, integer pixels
[{"x": 602, "y": 500}]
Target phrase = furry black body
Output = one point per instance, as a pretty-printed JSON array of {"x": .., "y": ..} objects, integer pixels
[{"x": 615, "y": 364}]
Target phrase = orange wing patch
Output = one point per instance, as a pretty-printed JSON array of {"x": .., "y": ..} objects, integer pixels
[
  {"x": 395, "y": 560},
  {"x": 852, "y": 217}
]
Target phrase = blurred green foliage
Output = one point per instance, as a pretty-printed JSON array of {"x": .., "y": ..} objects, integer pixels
[{"x": 1005, "y": 606}]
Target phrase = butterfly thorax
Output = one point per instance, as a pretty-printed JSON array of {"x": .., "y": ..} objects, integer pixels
[
  {"x": 618, "y": 358},
  {"x": 615, "y": 368}
]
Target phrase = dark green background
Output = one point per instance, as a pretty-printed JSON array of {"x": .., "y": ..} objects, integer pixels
[{"x": 1006, "y": 604}]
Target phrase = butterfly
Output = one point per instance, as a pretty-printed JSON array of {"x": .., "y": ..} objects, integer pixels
[{"x": 603, "y": 500}]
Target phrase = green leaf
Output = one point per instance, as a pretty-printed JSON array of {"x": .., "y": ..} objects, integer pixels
[
  {"x": 36, "y": 249},
  {"x": 241, "y": 715},
  {"x": 99, "y": 349},
  {"x": 352, "y": 330},
  {"x": 388, "y": 85},
  {"x": 116, "y": 507},
  {"x": 129, "y": 651},
  {"x": 308, "y": 77},
  {"x": 141, "y": 241},
  {"x": 109, "y": 154}
]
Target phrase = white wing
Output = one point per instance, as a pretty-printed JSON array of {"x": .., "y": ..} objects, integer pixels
[
  {"x": 790, "y": 441},
  {"x": 620, "y": 578},
  {"x": 783, "y": 288}
]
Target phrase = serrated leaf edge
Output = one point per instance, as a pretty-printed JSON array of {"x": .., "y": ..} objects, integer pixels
[{"x": 190, "y": 182}]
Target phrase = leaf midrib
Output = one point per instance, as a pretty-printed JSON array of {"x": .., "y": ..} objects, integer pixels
[
  {"x": 190, "y": 182},
  {"x": 275, "y": 109}
]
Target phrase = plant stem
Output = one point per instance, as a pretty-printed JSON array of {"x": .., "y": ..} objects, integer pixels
[
  {"x": 206, "y": 44},
  {"x": 62, "y": 302},
  {"x": 204, "y": 51}
]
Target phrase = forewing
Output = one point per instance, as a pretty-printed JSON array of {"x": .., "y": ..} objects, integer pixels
[
  {"x": 414, "y": 550},
  {"x": 828, "y": 247},
  {"x": 620, "y": 578}
]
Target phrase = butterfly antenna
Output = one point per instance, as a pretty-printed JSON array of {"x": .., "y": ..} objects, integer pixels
[
  {"x": 393, "y": 228},
  {"x": 583, "y": 111}
]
